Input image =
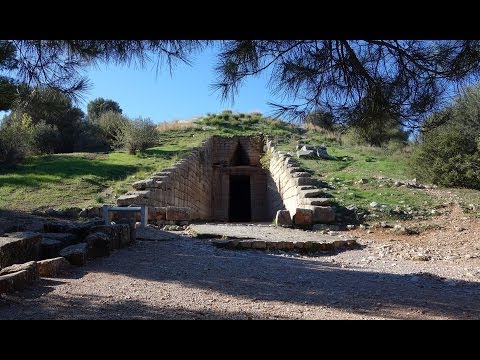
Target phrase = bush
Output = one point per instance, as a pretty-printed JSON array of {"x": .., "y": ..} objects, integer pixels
[
  {"x": 138, "y": 134},
  {"x": 45, "y": 138},
  {"x": 15, "y": 138},
  {"x": 449, "y": 154},
  {"x": 90, "y": 138},
  {"x": 111, "y": 125}
]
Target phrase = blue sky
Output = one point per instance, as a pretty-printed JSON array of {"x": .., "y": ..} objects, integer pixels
[{"x": 183, "y": 94}]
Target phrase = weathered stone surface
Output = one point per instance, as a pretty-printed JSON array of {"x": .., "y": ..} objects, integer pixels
[
  {"x": 131, "y": 225},
  {"x": 143, "y": 184},
  {"x": 305, "y": 153},
  {"x": 16, "y": 277},
  {"x": 50, "y": 248},
  {"x": 119, "y": 234},
  {"x": 323, "y": 214},
  {"x": 19, "y": 247},
  {"x": 178, "y": 213},
  {"x": 57, "y": 227},
  {"x": 75, "y": 254},
  {"x": 321, "y": 201},
  {"x": 99, "y": 244},
  {"x": 28, "y": 266},
  {"x": 66, "y": 239},
  {"x": 303, "y": 217},
  {"x": 14, "y": 281},
  {"x": 313, "y": 193},
  {"x": 160, "y": 213},
  {"x": 259, "y": 245},
  {"x": 52, "y": 267},
  {"x": 283, "y": 218}
]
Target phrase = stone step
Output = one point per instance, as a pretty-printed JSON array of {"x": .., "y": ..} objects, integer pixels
[
  {"x": 19, "y": 247},
  {"x": 313, "y": 193}
]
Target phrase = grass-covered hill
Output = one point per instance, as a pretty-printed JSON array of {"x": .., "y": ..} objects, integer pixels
[{"x": 83, "y": 179}]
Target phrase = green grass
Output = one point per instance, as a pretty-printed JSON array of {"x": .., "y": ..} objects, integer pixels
[
  {"x": 79, "y": 179},
  {"x": 84, "y": 179},
  {"x": 377, "y": 165}
]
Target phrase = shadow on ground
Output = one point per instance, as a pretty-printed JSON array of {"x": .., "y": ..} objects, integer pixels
[{"x": 256, "y": 276}]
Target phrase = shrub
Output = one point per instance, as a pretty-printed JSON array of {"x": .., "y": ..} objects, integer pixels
[
  {"x": 138, "y": 134},
  {"x": 111, "y": 125},
  {"x": 15, "y": 138},
  {"x": 45, "y": 138},
  {"x": 449, "y": 154}
]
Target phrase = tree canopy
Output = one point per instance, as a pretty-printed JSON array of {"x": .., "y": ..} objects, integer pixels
[
  {"x": 97, "y": 107},
  {"x": 353, "y": 79}
]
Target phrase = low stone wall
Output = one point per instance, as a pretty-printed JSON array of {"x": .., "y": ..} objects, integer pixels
[{"x": 301, "y": 194}]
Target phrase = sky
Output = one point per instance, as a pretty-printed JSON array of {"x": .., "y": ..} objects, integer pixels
[{"x": 184, "y": 94}]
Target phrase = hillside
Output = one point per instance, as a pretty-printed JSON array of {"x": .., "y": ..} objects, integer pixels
[{"x": 356, "y": 176}]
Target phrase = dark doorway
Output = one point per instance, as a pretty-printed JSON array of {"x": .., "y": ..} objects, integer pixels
[{"x": 240, "y": 206}]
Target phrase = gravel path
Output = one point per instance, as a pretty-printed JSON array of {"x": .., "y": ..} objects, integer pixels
[{"x": 188, "y": 278}]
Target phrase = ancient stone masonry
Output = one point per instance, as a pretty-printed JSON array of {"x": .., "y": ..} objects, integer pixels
[
  {"x": 300, "y": 193},
  {"x": 223, "y": 180},
  {"x": 199, "y": 186}
]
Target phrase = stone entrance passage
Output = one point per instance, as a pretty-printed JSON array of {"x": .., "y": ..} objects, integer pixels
[
  {"x": 240, "y": 202},
  {"x": 224, "y": 180}
]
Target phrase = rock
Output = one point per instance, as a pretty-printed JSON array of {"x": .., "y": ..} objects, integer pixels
[
  {"x": 283, "y": 218},
  {"x": 322, "y": 201},
  {"x": 54, "y": 212},
  {"x": 322, "y": 152},
  {"x": 30, "y": 266},
  {"x": 305, "y": 153},
  {"x": 50, "y": 248},
  {"x": 131, "y": 225},
  {"x": 83, "y": 213},
  {"x": 174, "y": 213},
  {"x": 76, "y": 254},
  {"x": 57, "y": 227},
  {"x": 421, "y": 257},
  {"x": 313, "y": 193},
  {"x": 52, "y": 267},
  {"x": 72, "y": 212},
  {"x": 351, "y": 227},
  {"x": 172, "y": 228},
  {"x": 65, "y": 238},
  {"x": 322, "y": 214},
  {"x": 398, "y": 183},
  {"x": 99, "y": 244},
  {"x": 303, "y": 217},
  {"x": 259, "y": 245},
  {"x": 17, "y": 276},
  {"x": 374, "y": 204},
  {"x": 362, "y": 181},
  {"x": 159, "y": 213},
  {"x": 143, "y": 184},
  {"x": 119, "y": 234},
  {"x": 19, "y": 247}
]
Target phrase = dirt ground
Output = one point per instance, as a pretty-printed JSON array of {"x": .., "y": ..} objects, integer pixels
[{"x": 431, "y": 275}]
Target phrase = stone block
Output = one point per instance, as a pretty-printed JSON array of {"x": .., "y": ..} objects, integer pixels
[
  {"x": 175, "y": 213},
  {"x": 99, "y": 244},
  {"x": 283, "y": 218},
  {"x": 303, "y": 217},
  {"x": 323, "y": 214},
  {"x": 19, "y": 247},
  {"x": 75, "y": 254},
  {"x": 52, "y": 267}
]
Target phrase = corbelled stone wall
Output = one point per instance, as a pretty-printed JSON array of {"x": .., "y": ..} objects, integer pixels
[
  {"x": 299, "y": 192},
  {"x": 200, "y": 183},
  {"x": 198, "y": 186}
]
